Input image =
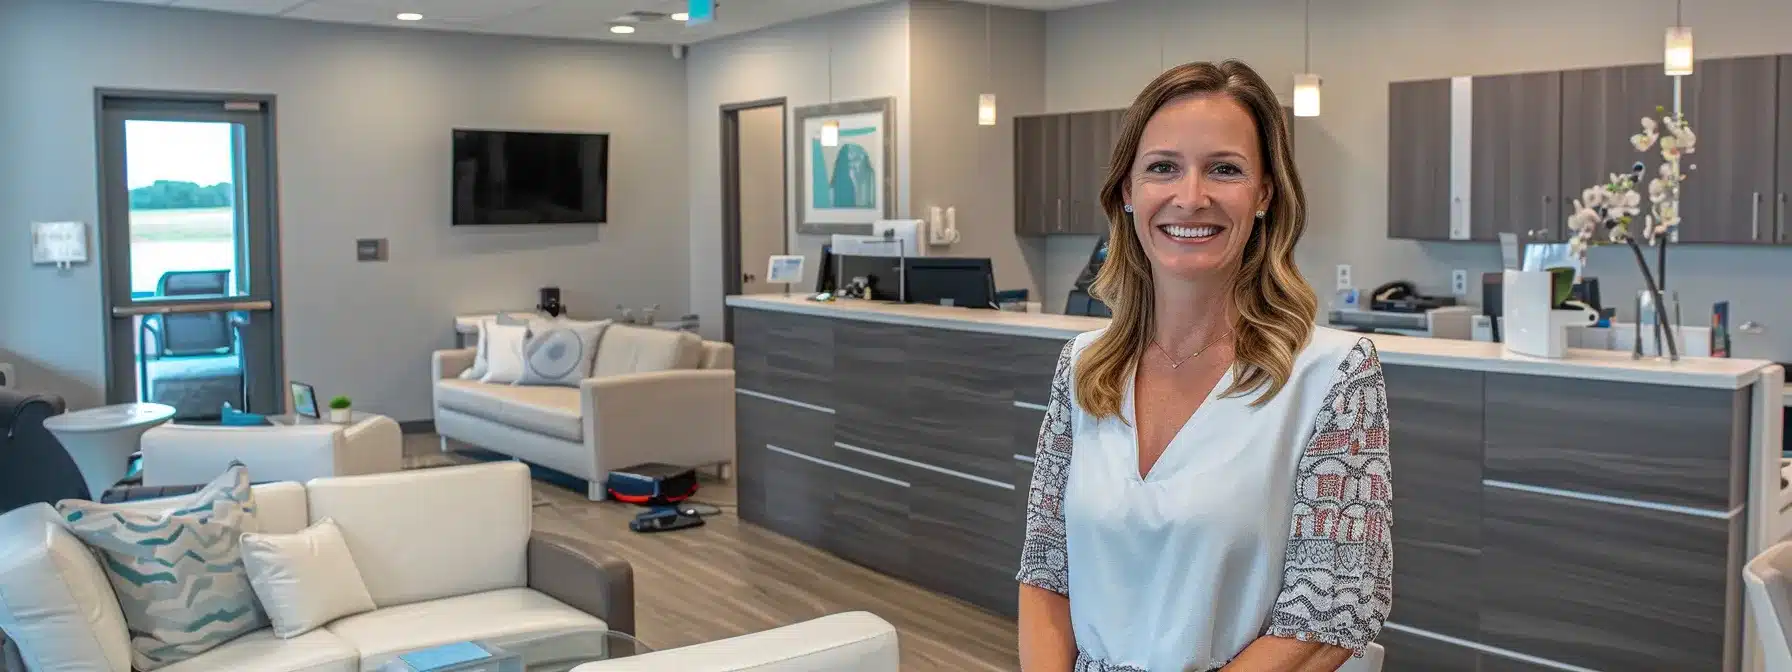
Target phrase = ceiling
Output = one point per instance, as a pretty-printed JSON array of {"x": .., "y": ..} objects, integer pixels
[{"x": 576, "y": 19}]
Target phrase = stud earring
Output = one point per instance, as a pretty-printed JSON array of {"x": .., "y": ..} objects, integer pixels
[
  {"x": 1260, "y": 214},
  {"x": 1127, "y": 207}
]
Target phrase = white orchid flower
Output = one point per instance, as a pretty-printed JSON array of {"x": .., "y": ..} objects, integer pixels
[
  {"x": 1648, "y": 124},
  {"x": 1669, "y": 142},
  {"x": 1658, "y": 189},
  {"x": 1641, "y": 142},
  {"x": 1593, "y": 197},
  {"x": 1667, "y": 171}
]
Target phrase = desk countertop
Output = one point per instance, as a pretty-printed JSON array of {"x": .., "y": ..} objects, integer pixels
[{"x": 1468, "y": 355}]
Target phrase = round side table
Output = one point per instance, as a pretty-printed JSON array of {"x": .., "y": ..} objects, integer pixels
[{"x": 101, "y": 440}]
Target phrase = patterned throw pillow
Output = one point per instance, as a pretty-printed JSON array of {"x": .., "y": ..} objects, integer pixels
[
  {"x": 178, "y": 573},
  {"x": 559, "y": 352}
]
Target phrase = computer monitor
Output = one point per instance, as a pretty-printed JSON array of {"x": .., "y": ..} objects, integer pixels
[
  {"x": 824, "y": 278},
  {"x": 966, "y": 282}
]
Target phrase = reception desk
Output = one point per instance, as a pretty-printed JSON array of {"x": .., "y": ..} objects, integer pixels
[{"x": 1589, "y": 513}]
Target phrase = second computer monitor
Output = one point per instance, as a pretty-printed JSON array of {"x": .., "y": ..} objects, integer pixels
[{"x": 966, "y": 282}]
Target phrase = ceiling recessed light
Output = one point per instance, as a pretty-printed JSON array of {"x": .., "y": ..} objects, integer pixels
[
  {"x": 410, "y": 16},
  {"x": 621, "y": 29},
  {"x": 681, "y": 16}
]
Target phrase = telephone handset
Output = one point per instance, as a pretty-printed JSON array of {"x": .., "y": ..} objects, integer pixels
[{"x": 1398, "y": 289}]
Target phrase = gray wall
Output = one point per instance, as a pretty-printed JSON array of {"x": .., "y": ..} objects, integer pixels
[
  {"x": 958, "y": 163},
  {"x": 790, "y": 61},
  {"x": 364, "y": 116},
  {"x": 1100, "y": 56}
]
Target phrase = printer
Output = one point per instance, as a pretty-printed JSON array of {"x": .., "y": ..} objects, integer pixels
[{"x": 1398, "y": 308}]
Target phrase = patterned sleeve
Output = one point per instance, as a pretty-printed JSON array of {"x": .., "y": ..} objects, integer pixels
[
  {"x": 1337, "y": 576},
  {"x": 1043, "y": 560}
]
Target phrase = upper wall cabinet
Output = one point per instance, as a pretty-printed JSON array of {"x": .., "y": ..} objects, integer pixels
[
  {"x": 1419, "y": 203},
  {"x": 1526, "y": 146},
  {"x": 1733, "y": 105},
  {"x": 1060, "y": 162},
  {"x": 1515, "y": 151},
  {"x": 1601, "y": 109}
]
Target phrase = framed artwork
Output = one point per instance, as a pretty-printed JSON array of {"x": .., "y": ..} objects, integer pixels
[{"x": 843, "y": 189}]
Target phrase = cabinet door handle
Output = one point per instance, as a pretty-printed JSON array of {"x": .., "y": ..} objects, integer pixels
[
  {"x": 1754, "y": 217},
  {"x": 1060, "y": 226},
  {"x": 1545, "y": 231},
  {"x": 1779, "y": 220}
]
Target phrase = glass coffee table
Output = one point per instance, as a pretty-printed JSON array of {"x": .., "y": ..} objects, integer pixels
[{"x": 557, "y": 653}]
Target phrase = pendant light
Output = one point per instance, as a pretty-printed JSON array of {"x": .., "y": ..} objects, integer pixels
[
  {"x": 1306, "y": 84},
  {"x": 986, "y": 102},
  {"x": 1677, "y": 59},
  {"x": 830, "y": 129}
]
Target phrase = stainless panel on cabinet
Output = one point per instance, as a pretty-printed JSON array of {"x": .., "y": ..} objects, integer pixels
[
  {"x": 1653, "y": 443},
  {"x": 784, "y": 354},
  {"x": 1419, "y": 160},
  {"x": 1603, "y": 586},
  {"x": 1731, "y": 103},
  {"x": 1435, "y": 432},
  {"x": 1516, "y": 152}
]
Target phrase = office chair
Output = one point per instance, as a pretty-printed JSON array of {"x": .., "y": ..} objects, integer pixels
[
  {"x": 33, "y": 465},
  {"x": 1770, "y": 599},
  {"x": 188, "y": 334}
]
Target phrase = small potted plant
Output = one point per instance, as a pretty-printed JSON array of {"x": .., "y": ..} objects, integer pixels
[{"x": 339, "y": 410}]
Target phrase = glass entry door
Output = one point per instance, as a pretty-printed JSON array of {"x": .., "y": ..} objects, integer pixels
[{"x": 189, "y": 228}]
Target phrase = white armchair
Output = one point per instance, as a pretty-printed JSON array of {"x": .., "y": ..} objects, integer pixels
[
  {"x": 855, "y": 641},
  {"x": 192, "y": 454}
]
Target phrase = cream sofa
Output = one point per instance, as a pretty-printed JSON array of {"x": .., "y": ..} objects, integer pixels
[
  {"x": 654, "y": 395},
  {"x": 447, "y": 554},
  {"x": 180, "y": 454}
]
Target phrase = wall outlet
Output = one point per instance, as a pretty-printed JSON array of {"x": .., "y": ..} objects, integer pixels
[
  {"x": 1459, "y": 282},
  {"x": 1344, "y": 277}
]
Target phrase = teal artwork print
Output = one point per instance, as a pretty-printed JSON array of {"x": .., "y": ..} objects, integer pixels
[{"x": 849, "y": 180}]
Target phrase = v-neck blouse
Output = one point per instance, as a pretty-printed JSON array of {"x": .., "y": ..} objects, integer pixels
[{"x": 1267, "y": 520}]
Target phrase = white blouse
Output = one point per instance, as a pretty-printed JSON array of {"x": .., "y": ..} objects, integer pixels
[{"x": 1270, "y": 520}]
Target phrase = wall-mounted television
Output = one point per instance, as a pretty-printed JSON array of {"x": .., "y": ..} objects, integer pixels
[{"x": 513, "y": 177}]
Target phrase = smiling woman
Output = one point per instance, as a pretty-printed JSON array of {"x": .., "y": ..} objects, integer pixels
[{"x": 1213, "y": 464}]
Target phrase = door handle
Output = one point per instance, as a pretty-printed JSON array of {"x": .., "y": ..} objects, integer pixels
[
  {"x": 1547, "y": 217},
  {"x": 1779, "y": 219},
  {"x": 1754, "y": 217},
  {"x": 183, "y": 308}
]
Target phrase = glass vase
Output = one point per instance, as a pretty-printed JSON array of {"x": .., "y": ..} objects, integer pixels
[{"x": 1652, "y": 326}]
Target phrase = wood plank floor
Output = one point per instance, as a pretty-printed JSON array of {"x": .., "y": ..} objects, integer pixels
[{"x": 731, "y": 578}]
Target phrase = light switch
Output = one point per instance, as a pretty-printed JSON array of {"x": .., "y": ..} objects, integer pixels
[{"x": 370, "y": 249}]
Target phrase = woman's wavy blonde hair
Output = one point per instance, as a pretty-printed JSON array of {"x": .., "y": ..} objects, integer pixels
[{"x": 1275, "y": 304}]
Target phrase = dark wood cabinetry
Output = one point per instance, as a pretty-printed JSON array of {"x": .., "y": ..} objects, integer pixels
[
  {"x": 1060, "y": 162},
  {"x": 1536, "y": 140},
  {"x": 1537, "y": 523},
  {"x": 1419, "y": 160},
  {"x": 1515, "y": 154},
  {"x": 1733, "y": 104}
]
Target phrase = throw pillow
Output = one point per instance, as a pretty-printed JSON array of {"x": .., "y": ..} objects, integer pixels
[
  {"x": 178, "y": 574},
  {"x": 560, "y": 352},
  {"x": 477, "y": 371},
  {"x": 305, "y": 579},
  {"x": 504, "y": 354}
]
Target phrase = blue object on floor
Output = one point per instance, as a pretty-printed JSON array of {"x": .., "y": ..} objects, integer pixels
[{"x": 445, "y": 656}]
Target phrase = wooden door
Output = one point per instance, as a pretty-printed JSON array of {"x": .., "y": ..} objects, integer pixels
[
  {"x": 1516, "y": 154},
  {"x": 1419, "y": 160}
]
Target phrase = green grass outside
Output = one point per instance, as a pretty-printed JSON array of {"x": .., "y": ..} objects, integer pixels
[{"x": 164, "y": 226}]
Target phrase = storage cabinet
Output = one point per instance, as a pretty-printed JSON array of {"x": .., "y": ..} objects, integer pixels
[
  {"x": 1733, "y": 105},
  {"x": 1419, "y": 160},
  {"x": 1041, "y": 174},
  {"x": 1060, "y": 161},
  {"x": 1782, "y": 211},
  {"x": 1435, "y": 425},
  {"x": 1515, "y": 154},
  {"x": 1601, "y": 109}
]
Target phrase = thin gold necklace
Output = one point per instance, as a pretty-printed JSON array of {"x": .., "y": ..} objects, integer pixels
[{"x": 1177, "y": 364}]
